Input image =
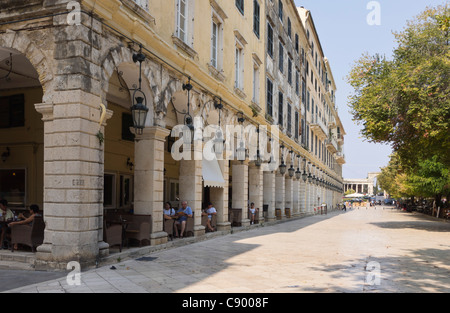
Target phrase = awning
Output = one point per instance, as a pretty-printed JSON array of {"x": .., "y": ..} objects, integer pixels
[{"x": 212, "y": 175}]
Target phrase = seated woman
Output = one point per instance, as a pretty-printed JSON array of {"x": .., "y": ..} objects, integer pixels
[
  {"x": 169, "y": 215},
  {"x": 23, "y": 220}
]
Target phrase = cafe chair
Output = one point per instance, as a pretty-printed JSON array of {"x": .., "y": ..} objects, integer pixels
[
  {"x": 31, "y": 236},
  {"x": 113, "y": 235}
]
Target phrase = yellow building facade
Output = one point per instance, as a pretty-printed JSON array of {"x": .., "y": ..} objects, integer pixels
[{"x": 75, "y": 150}]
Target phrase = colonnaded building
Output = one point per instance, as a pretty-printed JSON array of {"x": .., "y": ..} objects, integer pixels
[{"x": 93, "y": 95}]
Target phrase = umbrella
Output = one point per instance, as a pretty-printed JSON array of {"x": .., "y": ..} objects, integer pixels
[{"x": 354, "y": 195}]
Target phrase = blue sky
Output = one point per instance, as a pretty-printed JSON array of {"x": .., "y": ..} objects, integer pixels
[{"x": 345, "y": 35}]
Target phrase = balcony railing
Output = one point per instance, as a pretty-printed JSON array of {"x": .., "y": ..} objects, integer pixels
[
  {"x": 340, "y": 139},
  {"x": 340, "y": 157},
  {"x": 318, "y": 126},
  {"x": 332, "y": 144}
]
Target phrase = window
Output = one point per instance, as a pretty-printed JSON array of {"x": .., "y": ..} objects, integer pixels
[
  {"x": 239, "y": 66},
  {"x": 13, "y": 187},
  {"x": 315, "y": 146},
  {"x": 281, "y": 58},
  {"x": 303, "y": 92},
  {"x": 12, "y": 111},
  {"x": 214, "y": 43},
  {"x": 256, "y": 83},
  {"x": 289, "y": 28},
  {"x": 307, "y": 136},
  {"x": 280, "y": 10},
  {"x": 182, "y": 17},
  {"x": 307, "y": 100},
  {"x": 256, "y": 17},
  {"x": 240, "y": 6},
  {"x": 270, "y": 40},
  {"x": 280, "y": 108},
  {"x": 296, "y": 43},
  {"x": 297, "y": 82},
  {"x": 289, "y": 117},
  {"x": 290, "y": 71},
  {"x": 125, "y": 191},
  {"x": 269, "y": 97},
  {"x": 296, "y": 130}
]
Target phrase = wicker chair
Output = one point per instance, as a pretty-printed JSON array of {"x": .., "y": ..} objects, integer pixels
[
  {"x": 140, "y": 228},
  {"x": 113, "y": 235},
  {"x": 168, "y": 227},
  {"x": 32, "y": 236}
]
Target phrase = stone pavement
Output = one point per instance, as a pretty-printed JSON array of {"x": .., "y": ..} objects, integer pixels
[{"x": 361, "y": 250}]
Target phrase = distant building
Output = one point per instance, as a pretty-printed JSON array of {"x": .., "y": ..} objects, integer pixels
[{"x": 362, "y": 185}]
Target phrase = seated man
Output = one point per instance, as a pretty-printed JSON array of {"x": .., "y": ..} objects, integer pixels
[
  {"x": 183, "y": 215},
  {"x": 210, "y": 211}
]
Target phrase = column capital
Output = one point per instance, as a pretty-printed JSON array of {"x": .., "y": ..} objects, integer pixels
[
  {"x": 152, "y": 132},
  {"x": 46, "y": 109}
]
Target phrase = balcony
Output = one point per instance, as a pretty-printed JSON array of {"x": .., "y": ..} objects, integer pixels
[
  {"x": 332, "y": 145},
  {"x": 340, "y": 139},
  {"x": 340, "y": 157},
  {"x": 143, "y": 4},
  {"x": 140, "y": 8},
  {"x": 319, "y": 128}
]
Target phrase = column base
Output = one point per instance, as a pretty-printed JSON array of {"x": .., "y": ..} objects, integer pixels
[
  {"x": 158, "y": 238},
  {"x": 245, "y": 222},
  {"x": 199, "y": 230},
  {"x": 226, "y": 226}
]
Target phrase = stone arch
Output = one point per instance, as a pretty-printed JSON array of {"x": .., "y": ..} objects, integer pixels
[
  {"x": 161, "y": 85},
  {"x": 20, "y": 42}
]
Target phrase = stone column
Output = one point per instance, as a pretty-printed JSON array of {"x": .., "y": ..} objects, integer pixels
[
  {"x": 191, "y": 188},
  {"x": 288, "y": 194},
  {"x": 219, "y": 197},
  {"x": 269, "y": 194},
  {"x": 296, "y": 197},
  {"x": 240, "y": 190},
  {"x": 280, "y": 193},
  {"x": 73, "y": 180},
  {"x": 149, "y": 179},
  {"x": 302, "y": 197},
  {"x": 256, "y": 187}
]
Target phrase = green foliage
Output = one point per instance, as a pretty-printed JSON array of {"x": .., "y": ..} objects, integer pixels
[
  {"x": 431, "y": 177},
  {"x": 406, "y": 101},
  {"x": 349, "y": 192}
]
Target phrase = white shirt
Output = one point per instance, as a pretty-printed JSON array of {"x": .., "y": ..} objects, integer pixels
[{"x": 210, "y": 211}]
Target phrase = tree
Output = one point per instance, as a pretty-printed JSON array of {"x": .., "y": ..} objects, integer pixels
[
  {"x": 431, "y": 179},
  {"x": 406, "y": 101}
]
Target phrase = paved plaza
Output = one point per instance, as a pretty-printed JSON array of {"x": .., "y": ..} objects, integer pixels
[{"x": 361, "y": 250}]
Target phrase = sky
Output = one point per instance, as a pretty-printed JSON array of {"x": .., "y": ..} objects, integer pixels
[{"x": 345, "y": 35}]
